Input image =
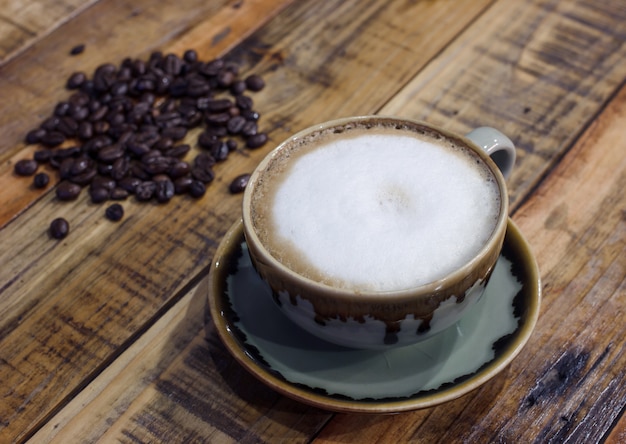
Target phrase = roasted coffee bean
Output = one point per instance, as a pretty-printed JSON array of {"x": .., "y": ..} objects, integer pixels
[
  {"x": 98, "y": 194},
  {"x": 197, "y": 189},
  {"x": 103, "y": 182},
  {"x": 182, "y": 184},
  {"x": 145, "y": 191},
  {"x": 129, "y": 137},
  {"x": 26, "y": 167},
  {"x": 41, "y": 180},
  {"x": 255, "y": 82},
  {"x": 238, "y": 185},
  {"x": 164, "y": 190},
  {"x": 179, "y": 169},
  {"x": 220, "y": 151},
  {"x": 235, "y": 124},
  {"x": 204, "y": 160},
  {"x": 129, "y": 183},
  {"x": 217, "y": 105},
  {"x": 250, "y": 128},
  {"x": 76, "y": 80},
  {"x": 119, "y": 194},
  {"x": 174, "y": 132},
  {"x": 155, "y": 164},
  {"x": 190, "y": 56},
  {"x": 85, "y": 130},
  {"x": 42, "y": 156},
  {"x": 177, "y": 151},
  {"x": 35, "y": 135},
  {"x": 225, "y": 78},
  {"x": 68, "y": 126},
  {"x": 205, "y": 175},
  {"x": 238, "y": 87},
  {"x": 61, "y": 109},
  {"x": 120, "y": 168},
  {"x": 59, "y": 228},
  {"x": 110, "y": 153},
  {"x": 217, "y": 118},
  {"x": 256, "y": 141},
  {"x": 64, "y": 153},
  {"x": 114, "y": 212},
  {"x": 78, "y": 49},
  {"x": 231, "y": 144},
  {"x": 50, "y": 124},
  {"x": 52, "y": 138},
  {"x": 104, "y": 77},
  {"x": 67, "y": 190},
  {"x": 249, "y": 114},
  {"x": 244, "y": 102},
  {"x": 211, "y": 68},
  {"x": 65, "y": 168},
  {"x": 84, "y": 178},
  {"x": 197, "y": 87},
  {"x": 79, "y": 99}
]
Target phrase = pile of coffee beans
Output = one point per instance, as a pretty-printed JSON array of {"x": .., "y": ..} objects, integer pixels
[{"x": 121, "y": 132}]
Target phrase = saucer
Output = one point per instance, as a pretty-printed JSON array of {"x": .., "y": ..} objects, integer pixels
[{"x": 308, "y": 369}]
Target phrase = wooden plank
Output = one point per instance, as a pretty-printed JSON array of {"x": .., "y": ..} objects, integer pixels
[
  {"x": 569, "y": 383},
  {"x": 173, "y": 374},
  {"x": 532, "y": 69},
  {"x": 117, "y": 279},
  {"x": 23, "y": 23}
]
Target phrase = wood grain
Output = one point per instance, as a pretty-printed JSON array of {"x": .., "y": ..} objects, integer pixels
[{"x": 22, "y": 23}]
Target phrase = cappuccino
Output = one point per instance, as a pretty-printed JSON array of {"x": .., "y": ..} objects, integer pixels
[{"x": 375, "y": 207}]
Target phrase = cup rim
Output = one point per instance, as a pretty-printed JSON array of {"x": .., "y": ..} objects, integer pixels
[{"x": 368, "y": 296}]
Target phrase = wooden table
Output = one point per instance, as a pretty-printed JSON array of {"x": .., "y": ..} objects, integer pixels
[{"x": 102, "y": 334}]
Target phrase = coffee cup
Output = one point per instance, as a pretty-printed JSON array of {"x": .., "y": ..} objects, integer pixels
[{"x": 377, "y": 232}]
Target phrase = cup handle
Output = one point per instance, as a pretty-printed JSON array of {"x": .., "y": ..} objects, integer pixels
[{"x": 497, "y": 145}]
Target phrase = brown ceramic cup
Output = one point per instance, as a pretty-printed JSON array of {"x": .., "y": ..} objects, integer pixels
[{"x": 355, "y": 316}]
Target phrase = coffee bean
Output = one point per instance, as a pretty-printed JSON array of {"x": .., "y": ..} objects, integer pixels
[
  {"x": 197, "y": 189},
  {"x": 25, "y": 167},
  {"x": 238, "y": 185},
  {"x": 255, "y": 82},
  {"x": 256, "y": 141},
  {"x": 114, "y": 212},
  {"x": 129, "y": 183},
  {"x": 244, "y": 102},
  {"x": 52, "y": 138},
  {"x": 111, "y": 153},
  {"x": 190, "y": 56},
  {"x": 76, "y": 80},
  {"x": 98, "y": 194},
  {"x": 78, "y": 49},
  {"x": 179, "y": 169},
  {"x": 238, "y": 87},
  {"x": 35, "y": 135},
  {"x": 59, "y": 228},
  {"x": 42, "y": 156},
  {"x": 41, "y": 180},
  {"x": 220, "y": 151},
  {"x": 145, "y": 190},
  {"x": 182, "y": 184},
  {"x": 205, "y": 175},
  {"x": 235, "y": 124},
  {"x": 118, "y": 194},
  {"x": 67, "y": 190},
  {"x": 164, "y": 190},
  {"x": 128, "y": 138}
]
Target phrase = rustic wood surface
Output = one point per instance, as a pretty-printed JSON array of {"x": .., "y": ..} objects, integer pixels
[{"x": 103, "y": 335}]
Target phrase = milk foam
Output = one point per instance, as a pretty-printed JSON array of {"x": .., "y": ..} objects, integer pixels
[{"x": 380, "y": 211}]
